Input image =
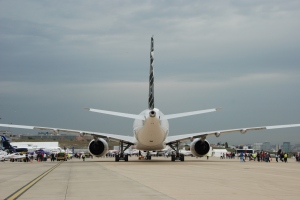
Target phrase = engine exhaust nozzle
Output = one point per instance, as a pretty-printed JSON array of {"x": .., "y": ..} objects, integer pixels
[{"x": 152, "y": 113}]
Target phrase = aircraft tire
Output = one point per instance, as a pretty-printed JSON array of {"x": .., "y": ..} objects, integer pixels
[
  {"x": 117, "y": 158},
  {"x": 173, "y": 158},
  {"x": 182, "y": 157}
]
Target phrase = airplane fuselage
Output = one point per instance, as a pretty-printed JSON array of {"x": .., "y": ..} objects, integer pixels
[{"x": 151, "y": 133}]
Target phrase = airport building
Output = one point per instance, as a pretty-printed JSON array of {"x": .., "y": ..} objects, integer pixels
[
  {"x": 266, "y": 146},
  {"x": 286, "y": 147},
  {"x": 257, "y": 146},
  {"x": 277, "y": 147}
]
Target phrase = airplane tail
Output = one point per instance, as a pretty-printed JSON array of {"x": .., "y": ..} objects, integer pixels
[
  {"x": 6, "y": 144},
  {"x": 151, "y": 77}
]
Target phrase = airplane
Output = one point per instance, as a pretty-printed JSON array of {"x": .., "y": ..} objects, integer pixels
[
  {"x": 3, "y": 155},
  {"x": 7, "y": 146},
  {"x": 15, "y": 156},
  {"x": 150, "y": 130},
  {"x": 11, "y": 156}
]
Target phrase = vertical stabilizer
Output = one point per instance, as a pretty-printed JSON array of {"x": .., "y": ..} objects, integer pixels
[
  {"x": 6, "y": 145},
  {"x": 151, "y": 77}
]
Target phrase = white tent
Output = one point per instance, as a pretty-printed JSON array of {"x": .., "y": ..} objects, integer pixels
[{"x": 219, "y": 152}]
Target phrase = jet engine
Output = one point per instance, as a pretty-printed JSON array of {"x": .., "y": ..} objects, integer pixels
[
  {"x": 199, "y": 148},
  {"x": 98, "y": 147}
]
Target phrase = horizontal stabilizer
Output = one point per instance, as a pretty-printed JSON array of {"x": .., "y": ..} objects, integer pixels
[
  {"x": 189, "y": 113},
  {"x": 117, "y": 113}
]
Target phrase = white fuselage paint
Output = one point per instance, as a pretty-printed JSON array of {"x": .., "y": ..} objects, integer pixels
[{"x": 150, "y": 134}]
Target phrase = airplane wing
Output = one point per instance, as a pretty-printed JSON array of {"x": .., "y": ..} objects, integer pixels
[
  {"x": 114, "y": 137},
  {"x": 179, "y": 138}
]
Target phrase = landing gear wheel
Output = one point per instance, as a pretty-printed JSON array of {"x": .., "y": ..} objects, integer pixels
[
  {"x": 181, "y": 157},
  {"x": 173, "y": 158},
  {"x": 117, "y": 158},
  {"x": 148, "y": 157}
]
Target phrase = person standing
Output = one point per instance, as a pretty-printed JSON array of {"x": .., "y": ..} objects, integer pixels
[
  {"x": 83, "y": 157},
  {"x": 285, "y": 157},
  {"x": 276, "y": 157},
  {"x": 254, "y": 156},
  {"x": 267, "y": 157},
  {"x": 52, "y": 157},
  {"x": 27, "y": 159},
  {"x": 281, "y": 156},
  {"x": 242, "y": 158}
]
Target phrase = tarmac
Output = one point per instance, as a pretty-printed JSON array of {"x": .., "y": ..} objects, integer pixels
[{"x": 195, "y": 178}]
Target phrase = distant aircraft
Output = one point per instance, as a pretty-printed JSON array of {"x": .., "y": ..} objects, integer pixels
[
  {"x": 151, "y": 130},
  {"x": 9, "y": 152},
  {"x": 7, "y": 146},
  {"x": 10, "y": 156},
  {"x": 3, "y": 155},
  {"x": 14, "y": 156},
  {"x": 34, "y": 148}
]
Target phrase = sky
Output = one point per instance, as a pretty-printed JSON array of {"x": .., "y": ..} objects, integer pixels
[{"x": 59, "y": 57}]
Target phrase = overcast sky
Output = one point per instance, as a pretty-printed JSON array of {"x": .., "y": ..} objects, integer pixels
[{"x": 58, "y": 57}]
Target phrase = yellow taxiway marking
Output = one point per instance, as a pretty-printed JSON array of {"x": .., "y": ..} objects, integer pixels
[{"x": 22, "y": 190}]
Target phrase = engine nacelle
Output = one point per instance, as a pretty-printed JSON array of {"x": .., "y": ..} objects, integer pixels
[
  {"x": 243, "y": 131},
  {"x": 199, "y": 148},
  {"x": 98, "y": 147},
  {"x": 217, "y": 134}
]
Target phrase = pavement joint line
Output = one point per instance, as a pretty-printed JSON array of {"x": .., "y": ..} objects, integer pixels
[
  {"x": 68, "y": 182},
  {"x": 26, "y": 187},
  {"x": 136, "y": 181}
]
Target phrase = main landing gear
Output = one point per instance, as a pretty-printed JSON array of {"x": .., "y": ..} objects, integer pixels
[
  {"x": 122, "y": 155},
  {"x": 177, "y": 155}
]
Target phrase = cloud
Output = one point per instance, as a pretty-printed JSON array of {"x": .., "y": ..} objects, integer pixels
[{"x": 59, "y": 56}]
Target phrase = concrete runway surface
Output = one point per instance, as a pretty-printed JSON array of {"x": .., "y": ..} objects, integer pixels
[{"x": 102, "y": 178}]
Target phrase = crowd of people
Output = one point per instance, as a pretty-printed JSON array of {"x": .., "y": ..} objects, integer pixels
[
  {"x": 266, "y": 157},
  {"x": 228, "y": 155}
]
